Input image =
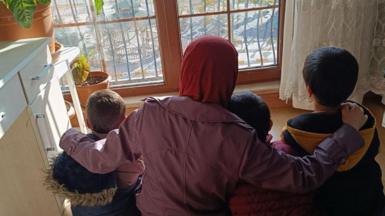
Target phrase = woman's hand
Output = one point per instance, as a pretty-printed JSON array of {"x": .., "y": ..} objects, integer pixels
[{"x": 353, "y": 115}]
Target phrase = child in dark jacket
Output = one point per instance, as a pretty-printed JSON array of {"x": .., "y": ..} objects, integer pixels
[
  {"x": 94, "y": 194},
  {"x": 356, "y": 189},
  {"x": 249, "y": 200}
]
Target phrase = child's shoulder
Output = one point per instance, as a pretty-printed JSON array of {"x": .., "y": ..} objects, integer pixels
[
  {"x": 325, "y": 122},
  {"x": 74, "y": 177},
  {"x": 316, "y": 122},
  {"x": 68, "y": 178}
]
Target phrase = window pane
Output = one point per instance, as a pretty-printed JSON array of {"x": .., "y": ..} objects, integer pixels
[
  {"x": 71, "y": 11},
  {"x": 242, "y": 4},
  {"x": 193, "y": 27},
  {"x": 201, "y": 6},
  {"x": 117, "y": 9},
  {"x": 83, "y": 37},
  {"x": 254, "y": 32},
  {"x": 255, "y": 36},
  {"x": 125, "y": 47},
  {"x": 130, "y": 52}
]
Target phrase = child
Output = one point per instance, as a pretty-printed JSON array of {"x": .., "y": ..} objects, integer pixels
[
  {"x": 252, "y": 109},
  {"x": 110, "y": 194},
  {"x": 247, "y": 199},
  {"x": 330, "y": 76}
]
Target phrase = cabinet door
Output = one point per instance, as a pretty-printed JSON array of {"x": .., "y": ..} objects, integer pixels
[
  {"x": 22, "y": 191},
  {"x": 50, "y": 115},
  {"x": 12, "y": 103}
]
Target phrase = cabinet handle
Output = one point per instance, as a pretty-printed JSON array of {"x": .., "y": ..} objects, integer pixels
[
  {"x": 50, "y": 147},
  {"x": 2, "y": 116},
  {"x": 39, "y": 115},
  {"x": 35, "y": 78},
  {"x": 48, "y": 65},
  {"x": 44, "y": 72}
]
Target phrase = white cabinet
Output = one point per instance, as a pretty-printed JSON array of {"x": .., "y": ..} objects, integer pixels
[
  {"x": 32, "y": 118},
  {"x": 12, "y": 103},
  {"x": 50, "y": 116},
  {"x": 22, "y": 192},
  {"x": 36, "y": 74}
]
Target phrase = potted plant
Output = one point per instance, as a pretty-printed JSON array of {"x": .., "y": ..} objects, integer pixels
[
  {"x": 29, "y": 18},
  {"x": 86, "y": 81},
  {"x": 25, "y": 19}
]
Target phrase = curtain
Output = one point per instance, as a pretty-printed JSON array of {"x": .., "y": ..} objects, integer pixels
[
  {"x": 349, "y": 24},
  {"x": 377, "y": 64}
]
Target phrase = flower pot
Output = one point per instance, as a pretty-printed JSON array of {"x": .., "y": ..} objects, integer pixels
[
  {"x": 85, "y": 90},
  {"x": 42, "y": 25},
  {"x": 70, "y": 112},
  {"x": 58, "y": 48}
]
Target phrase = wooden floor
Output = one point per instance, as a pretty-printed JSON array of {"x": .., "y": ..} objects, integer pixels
[{"x": 281, "y": 115}]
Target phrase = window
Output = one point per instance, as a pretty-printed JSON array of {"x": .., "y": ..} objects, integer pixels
[{"x": 140, "y": 42}]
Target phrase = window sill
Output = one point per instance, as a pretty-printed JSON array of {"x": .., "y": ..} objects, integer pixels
[{"x": 267, "y": 90}]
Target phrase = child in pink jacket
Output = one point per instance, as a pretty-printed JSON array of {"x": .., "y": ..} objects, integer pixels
[{"x": 248, "y": 199}]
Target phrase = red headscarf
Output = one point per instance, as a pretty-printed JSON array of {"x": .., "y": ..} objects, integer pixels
[{"x": 209, "y": 70}]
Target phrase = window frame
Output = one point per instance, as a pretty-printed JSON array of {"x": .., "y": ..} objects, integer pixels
[{"x": 167, "y": 19}]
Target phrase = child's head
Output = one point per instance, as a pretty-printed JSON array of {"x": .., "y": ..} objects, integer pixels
[
  {"x": 105, "y": 111},
  {"x": 253, "y": 110},
  {"x": 330, "y": 75}
]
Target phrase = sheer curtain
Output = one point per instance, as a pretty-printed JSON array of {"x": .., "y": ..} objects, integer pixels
[
  {"x": 377, "y": 64},
  {"x": 350, "y": 24}
]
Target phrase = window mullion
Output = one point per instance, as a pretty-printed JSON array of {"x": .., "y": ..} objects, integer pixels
[
  {"x": 169, "y": 40},
  {"x": 229, "y": 21},
  {"x": 98, "y": 36}
]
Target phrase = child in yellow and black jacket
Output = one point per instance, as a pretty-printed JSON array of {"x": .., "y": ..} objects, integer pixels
[{"x": 355, "y": 189}]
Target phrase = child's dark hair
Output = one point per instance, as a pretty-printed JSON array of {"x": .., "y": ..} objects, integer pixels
[
  {"x": 105, "y": 109},
  {"x": 331, "y": 73},
  {"x": 253, "y": 110}
]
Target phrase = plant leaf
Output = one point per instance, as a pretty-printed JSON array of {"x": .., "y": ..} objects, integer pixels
[
  {"x": 80, "y": 69},
  {"x": 23, "y": 11},
  {"x": 99, "y": 6},
  {"x": 43, "y": 1}
]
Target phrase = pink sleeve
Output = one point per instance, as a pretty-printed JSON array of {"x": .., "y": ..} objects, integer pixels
[
  {"x": 108, "y": 154},
  {"x": 267, "y": 168},
  {"x": 282, "y": 146}
]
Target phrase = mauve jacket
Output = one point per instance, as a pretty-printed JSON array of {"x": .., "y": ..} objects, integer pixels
[{"x": 195, "y": 154}]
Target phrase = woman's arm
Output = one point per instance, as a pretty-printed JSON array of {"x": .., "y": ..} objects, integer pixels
[
  {"x": 265, "y": 167},
  {"x": 268, "y": 168},
  {"x": 108, "y": 154},
  {"x": 282, "y": 146}
]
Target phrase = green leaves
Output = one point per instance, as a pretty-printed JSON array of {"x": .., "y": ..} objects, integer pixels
[
  {"x": 22, "y": 10},
  {"x": 80, "y": 69},
  {"x": 98, "y": 6},
  {"x": 43, "y": 1}
]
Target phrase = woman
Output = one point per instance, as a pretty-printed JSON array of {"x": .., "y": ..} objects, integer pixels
[{"x": 196, "y": 151}]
